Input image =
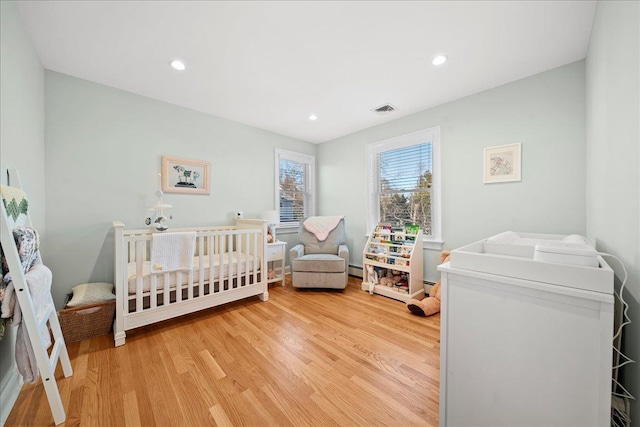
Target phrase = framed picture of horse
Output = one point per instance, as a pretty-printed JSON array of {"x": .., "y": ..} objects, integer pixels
[{"x": 184, "y": 175}]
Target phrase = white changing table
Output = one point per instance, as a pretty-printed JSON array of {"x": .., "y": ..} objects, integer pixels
[{"x": 524, "y": 342}]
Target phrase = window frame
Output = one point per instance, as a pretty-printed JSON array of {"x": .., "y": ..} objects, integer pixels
[
  {"x": 310, "y": 187},
  {"x": 434, "y": 241}
]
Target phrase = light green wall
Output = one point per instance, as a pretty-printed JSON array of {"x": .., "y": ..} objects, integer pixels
[
  {"x": 21, "y": 139},
  {"x": 613, "y": 157},
  {"x": 22, "y": 111},
  {"x": 545, "y": 112},
  {"x": 104, "y": 149}
]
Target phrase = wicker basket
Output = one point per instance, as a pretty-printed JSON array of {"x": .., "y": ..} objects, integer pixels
[{"x": 82, "y": 323}]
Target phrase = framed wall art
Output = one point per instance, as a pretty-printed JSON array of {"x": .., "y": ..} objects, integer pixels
[
  {"x": 184, "y": 175},
  {"x": 503, "y": 163}
]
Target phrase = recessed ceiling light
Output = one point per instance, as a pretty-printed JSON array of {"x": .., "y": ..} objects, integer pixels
[
  {"x": 178, "y": 65},
  {"x": 313, "y": 117},
  {"x": 439, "y": 60}
]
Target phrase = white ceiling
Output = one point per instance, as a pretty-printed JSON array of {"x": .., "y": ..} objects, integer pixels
[{"x": 272, "y": 64}]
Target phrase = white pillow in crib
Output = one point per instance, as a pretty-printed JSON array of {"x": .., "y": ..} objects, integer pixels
[{"x": 91, "y": 293}]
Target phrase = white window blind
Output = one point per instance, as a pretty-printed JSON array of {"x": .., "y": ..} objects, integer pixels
[
  {"x": 404, "y": 187},
  {"x": 294, "y": 186},
  {"x": 403, "y": 182}
]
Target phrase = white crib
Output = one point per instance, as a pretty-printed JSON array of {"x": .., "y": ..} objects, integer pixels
[{"x": 229, "y": 265}]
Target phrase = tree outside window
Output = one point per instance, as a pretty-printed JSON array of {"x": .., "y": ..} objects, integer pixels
[
  {"x": 294, "y": 186},
  {"x": 405, "y": 186},
  {"x": 292, "y": 190}
]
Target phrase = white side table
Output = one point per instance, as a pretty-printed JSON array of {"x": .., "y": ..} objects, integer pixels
[{"x": 276, "y": 252}]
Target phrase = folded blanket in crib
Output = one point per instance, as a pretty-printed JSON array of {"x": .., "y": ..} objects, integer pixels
[
  {"x": 321, "y": 226},
  {"x": 172, "y": 251},
  {"x": 39, "y": 283}
]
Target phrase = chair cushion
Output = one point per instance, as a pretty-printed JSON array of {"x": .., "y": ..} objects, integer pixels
[
  {"x": 306, "y": 279},
  {"x": 321, "y": 263}
]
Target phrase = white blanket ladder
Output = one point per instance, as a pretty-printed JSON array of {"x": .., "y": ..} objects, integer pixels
[{"x": 46, "y": 362}]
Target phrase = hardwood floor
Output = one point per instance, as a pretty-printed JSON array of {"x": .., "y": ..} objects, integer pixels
[{"x": 305, "y": 357}]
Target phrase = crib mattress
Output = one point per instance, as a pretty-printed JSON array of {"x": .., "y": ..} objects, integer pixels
[{"x": 238, "y": 265}]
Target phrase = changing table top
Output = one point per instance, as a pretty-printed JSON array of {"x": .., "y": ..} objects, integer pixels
[{"x": 514, "y": 255}]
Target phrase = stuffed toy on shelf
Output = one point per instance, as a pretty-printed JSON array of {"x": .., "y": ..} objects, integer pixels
[{"x": 431, "y": 304}]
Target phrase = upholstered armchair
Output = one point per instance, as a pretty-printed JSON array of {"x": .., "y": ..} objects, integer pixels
[{"x": 320, "y": 263}]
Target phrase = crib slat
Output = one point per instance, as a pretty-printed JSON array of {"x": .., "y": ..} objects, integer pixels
[
  {"x": 201, "y": 265},
  {"x": 212, "y": 265},
  {"x": 247, "y": 262},
  {"x": 154, "y": 290},
  {"x": 247, "y": 253},
  {"x": 222, "y": 274},
  {"x": 124, "y": 278},
  {"x": 132, "y": 251},
  {"x": 252, "y": 262},
  {"x": 247, "y": 267},
  {"x": 256, "y": 253},
  {"x": 178, "y": 286},
  {"x": 230, "y": 270},
  {"x": 220, "y": 240},
  {"x": 237, "y": 259},
  {"x": 146, "y": 249},
  {"x": 225, "y": 270},
  {"x": 167, "y": 286},
  {"x": 242, "y": 265},
  {"x": 139, "y": 262}
]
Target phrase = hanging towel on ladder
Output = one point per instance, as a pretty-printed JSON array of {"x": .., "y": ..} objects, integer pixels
[
  {"x": 39, "y": 282},
  {"x": 172, "y": 251}
]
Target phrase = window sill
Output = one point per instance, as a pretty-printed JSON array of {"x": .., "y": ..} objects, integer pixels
[{"x": 434, "y": 245}]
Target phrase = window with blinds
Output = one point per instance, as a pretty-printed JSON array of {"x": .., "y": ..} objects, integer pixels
[
  {"x": 404, "y": 187},
  {"x": 403, "y": 182},
  {"x": 294, "y": 186}
]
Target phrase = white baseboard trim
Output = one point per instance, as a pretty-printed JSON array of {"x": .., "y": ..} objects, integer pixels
[
  {"x": 356, "y": 271},
  {"x": 9, "y": 393}
]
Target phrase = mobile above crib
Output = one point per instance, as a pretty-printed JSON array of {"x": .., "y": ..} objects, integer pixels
[{"x": 158, "y": 219}]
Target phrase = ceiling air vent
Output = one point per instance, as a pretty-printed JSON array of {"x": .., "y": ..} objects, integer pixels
[{"x": 384, "y": 109}]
